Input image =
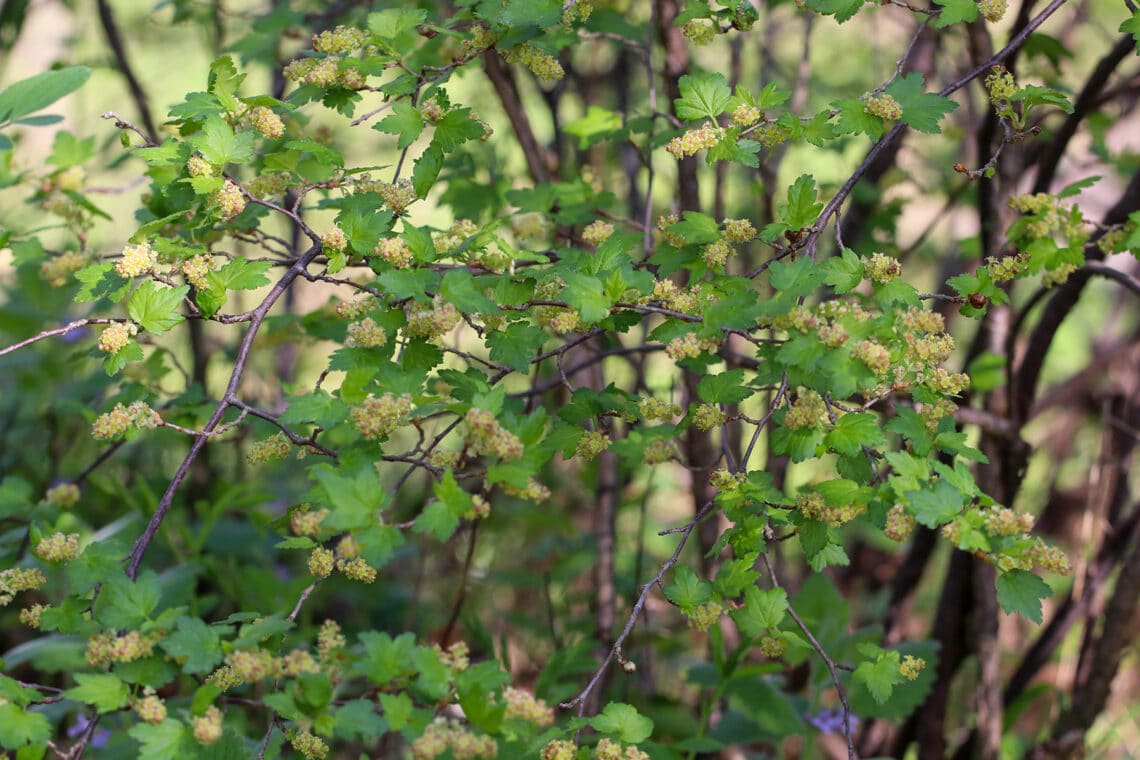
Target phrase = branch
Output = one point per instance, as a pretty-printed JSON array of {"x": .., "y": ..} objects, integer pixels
[{"x": 69, "y": 327}]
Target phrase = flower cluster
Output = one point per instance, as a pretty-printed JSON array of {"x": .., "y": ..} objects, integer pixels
[
  {"x": 207, "y": 728},
  {"x": 543, "y": 65},
  {"x": 366, "y": 334},
  {"x": 309, "y": 745},
  {"x": 884, "y": 106},
  {"x": 813, "y": 507},
  {"x": 534, "y": 491},
  {"x": 808, "y": 410},
  {"x": 249, "y": 665},
  {"x": 611, "y": 750},
  {"x": 992, "y": 10},
  {"x": 592, "y": 443},
  {"x": 17, "y": 579},
  {"x": 306, "y": 522},
  {"x": 874, "y": 355},
  {"x": 397, "y": 195},
  {"x": 524, "y": 706},
  {"x": 659, "y": 450},
  {"x": 321, "y": 562},
  {"x": 1000, "y": 84},
  {"x": 104, "y": 649},
  {"x": 339, "y": 41},
  {"x": 745, "y": 115},
  {"x": 229, "y": 201},
  {"x": 1007, "y": 267},
  {"x": 531, "y": 227},
  {"x": 481, "y": 39},
  {"x": 882, "y": 269},
  {"x": 457, "y": 656},
  {"x": 442, "y": 735},
  {"x": 377, "y": 416},
  {"x": 773, "y": 647},
  {"x": 149, "y": 707},
  {"x": 356, "y": 569},
  {"x": 899, "y": 524},
  {"x": 560, "y": 749},
  {"x": 65, "y": 495},
  {"x": 116, "y": 336},
  {"x": 58, "y": 547},
  {"x": 664, "y": 222},
  {"x": 597, "y": 232},
  {"x": 705, "y": 616},
  {"x": 30, "y": 616},
  {"x": 1007, "y": 522},
  {"x": 708, "y": 416},
  {"x": 122, "y": 418},
  {"x": 334, "y": 239},
  {"x": 268, "y": 449},
  {"x": 716, "y": 254},
  {"x": 739, "y": 230},
  {"x": 911, "y": 667},
  {"x": 329, "y": 640},
  {"x": 395, "y": 251},
  {"x": 136, "y": 260},
  {"x": 195, "y": 269},
  {"x": 724, "y": 480},
  {"x": 488, "y": 437},
  {"x": 198, "y": 166},
  {"x": 653, "y": 409},
  {"x": 922, "y": 321},
  {"x": 770, "y": 135},
  {"x": 700, "y": 31},
  {"x": 324, "y": 72},
  {"x": 266, "y": 122},
  {"x": 431, "y": 320},
  {"x": 455, "y": 236},
  {"x": 689, "y": 346},
  {"x": 695, "y": 140},
  {"x": 480, "y": 508},
  {"x": 57, "y": 269}
]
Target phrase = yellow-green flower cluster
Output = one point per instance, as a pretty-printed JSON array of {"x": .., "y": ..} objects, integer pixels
[
  {"x": 874, "y": 355},
  {"x": 224, "y": 678},
  {"x": 17, "y": 579},
  {"x": 1000, "y": 84},
  {"x": 481, "y": 39},
  {"x": 608, "y": 749},
  {"x": 329, "y": 640},
  {"x": 249, "y": 665},
  {"x": 708, "y": 416},
  {"x": 534, "y": 491},
  {"x": 911, "y": 667},
  {"x": 531, "y": 227},
  {"x": 457, "y": 657},
  {"x": 770, "y": 135},
  {"x": 716, "y": 253},
  {"x": 592, "y": 443},
  {"x": 723, "y": 480},
  {"x": 266, "y": 122},
  {"x": 431, "y": 320},
  {"x": 334, "y": 239},
  {"x": 560, "y": 749},
  {"x": 899, "y": 524},
  {"x": 689, "y": 346},
  {"x": 432, "y": 110},
  {"x": 881, "y": 268},
  {"x": 310, "y": 745},
  {"x": 695, "y": 140},
  {"x": 443, "y": 734},
  {"x": 397, "y": 195},
  {"x": 773, "y": 647},
  {"x": 543, "y": 65},
  {"x": 57, "y": 269},
  {"x": 306, "y": 522},
  {"x": 357, "y": 569},
  {"x": 229, "y": 201},
  {"x": 739, "y": 230},
  {"x": 524, "y": 706},
  {"x": 321, "y": 562},
  {"x": 705, "y": 616},
  {"x": 576, "y": 11},
  {"x": 922, "y": 321},
  {"x": 268, "y": 449},
  {"x": 992, "y": 10},
  {"x": 1007, "y": 267},
  {"x": 597, "y": 232},
  {"x": 943, "y": 381},
  {"x": 58, "y": 547},
  {"x": 395, "y": 251},
  {"x": 745, "y": 115},
  {"x": 557, "y": 319},
  {"x": 884, "y": 106},
  {"x": 664, "y": 222},
  {"x": 122, "y": 418},
  {"x": 116, "y": 336},
  {"x": 150, "y": 707},
  {"x": 799, "y": 317},
  {"x": 267, "y": 183},
  {"x": 207, "y": 728},
  {"x": 480, "y": 508},
  {"x": 136, "y": 260},
  {"x": 813, "y": 506},
  {"x": 455, "y": 236},
  {"x": 65, "y": 495},
  {"x": 338, "y": 41},
  {"x": 1007, "y": 522},
  {"x": 930, "y": 349},
  {"x": 488, "y": 437},
  {"x": 366, "y": 334},
  {"x": 198, "y": 166},
  {"x": 700, "y": 31},
  {"x": 106, "y": 648},
  {"x": 195, "y": 269},
  {"x": 833, "y": 334},
  {"x": 377, "y": 416},
  {"x": 808, "y": 410},
  {"x": 30, "y": 616},
  {"x": 654, "y": 409},
  {"x": 675, "y": 299},
  {"x": 659, "y": 451}
]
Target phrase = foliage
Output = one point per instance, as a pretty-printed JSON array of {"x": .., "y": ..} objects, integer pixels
[{"x": 395, "y": 375}]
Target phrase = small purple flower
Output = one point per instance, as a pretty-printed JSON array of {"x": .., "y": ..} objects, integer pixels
[
  {"x": 98, "y": 739},
  {"x": 830, "y": 721}
]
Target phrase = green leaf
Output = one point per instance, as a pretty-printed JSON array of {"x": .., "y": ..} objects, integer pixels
[
  {"x": 127, "y": 604},
  {"x": 195, "y": 644},
  {"x": 224, "y": 82},
  {"x": 881, "y": 675},
  {"x": 735, "y": 575},
  {"x": 624, "y": 722},
  {"x": 385, "y": 659},
  {"x": 703, "y": 96},
  {"x": 67, "y": 150},
  {"x": 598, "y": 124},
  {"x": 696, "y": 228},
  {"x": 844, "y": 272},
  {"x": 921, "y": 110},
  {"x": 853, "y": 118},
  {"x": 1132, "y": 26},
  {"x": 357, "y": 718},
  {"x": 955, "y": 11},
  {"x": 220, "y": 145},
  {"x": 100, "y": 281},
  {"x": 155, "y": 307},
  {"x": 162, "y": 741},
  {"x": 461, "y": 291},
  {"x": 395, "y": 24},
  {"x": 39, "y": 91},
  {"x": 405, "y": 121},
  {"x": 1021, "y": 591},
  {"x": 687, "y": 591},
  {"x": 725, "y": 388},
  {"x": 455, "y": 128},
  {"x": 854, "y": 431},
  {"x": 586, "y": 294},
  {"x": 935, "y": 507},
  {"x": 802, "y": 208},
  {"x": 843, "y": 10},
  {"x": 534, "y": 13},
  {"x": 397, "y": 709},
  {"x": 441, "y": 517},
  {"x": 763, "y": 609},
  {"x": 104, "y": 691},
  {"x": 516, "y": 345},
  {"x": 354, "y": 498},
  {"x": 426, "y": 170},
  {"x": 241, "y": 274},
  {"x": 19, "y": 727}
]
